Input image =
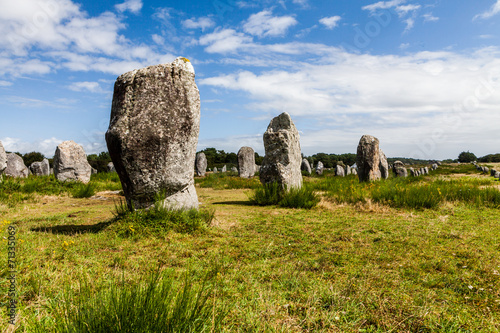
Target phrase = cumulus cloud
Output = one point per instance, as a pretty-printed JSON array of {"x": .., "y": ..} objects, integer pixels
[
  {"x": 224, "y": 41},
  {"x": 86, "y": 86},
  {"x": 494, "y": 10},
  {"x": 264, "y": 24},
  {"x": 382, "y": 5},
  {"x": 330, "y": 22},
  {"x": 200, "y": 23},
  {"x": 133, "y": 6},
  {"x": 45, "y": 146},
  {"x": 430, "y": 18}
]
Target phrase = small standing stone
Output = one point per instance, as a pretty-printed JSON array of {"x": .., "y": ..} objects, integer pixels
[
  {"x": 234, "y": 169},
  {"x": 215, "y": 170},
  {"x": 348, "y": 170},
  {"x": 282, "y": 160},
  {"x": 201, "y": 164},
  {"x": 224, "y": 168},
  {"x": 111, "y": 167},
  {"x": 383, "y": 166},
  {"x": 368, "y": 159},
  {"x": 3, "y": 158},
  {"x": 319, "y": 168},
  {"x": 70, "y": 163},
  {"x": 40, "y": 168},
  {"x": 399, "y": 169},
  {"x": 305, "y": 166},
  {"x": 339, "y": 171},
  {"x": 15, "y": 166},
  {"x": 246, "y": 162}
]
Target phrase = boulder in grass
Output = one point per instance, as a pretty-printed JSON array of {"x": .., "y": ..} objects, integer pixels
[
  {"x": 70, "y": 163},
  {"x": 305, "y": 166},
  {"x": 153, "y": 134},
  {"x": 339, "y": 171},
  {"x": 15, "y": 167},
  {"x": 282, "y": 160},
  {"x": 319, "y": 168},
  {"x": 201, "y": 164},
  {"x": 399, "y": 169}
]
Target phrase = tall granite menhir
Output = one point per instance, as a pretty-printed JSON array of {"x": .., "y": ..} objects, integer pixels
[
  {"x": 246, "y": 162},
  {"x": 368, "y": 159},
  {"x": 153, "y": 133},
  {"x": 283, "y": 158}
]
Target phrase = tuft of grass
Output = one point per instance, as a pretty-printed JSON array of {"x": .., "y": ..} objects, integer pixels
[
  {"x": 274, "y": 194},
  {"x": 84, "y": 190},
  {"x": 160, "y": 305},
  {"x": 161, "y": 219}
]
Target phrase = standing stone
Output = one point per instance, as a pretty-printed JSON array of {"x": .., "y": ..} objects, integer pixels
[
  {"x": 497, "y": 174},
  {"x": 111, "y": 167},
  {"x": 492, "y": 172},
  {"x": 283, "y": 159},
  {"x": 368, "y": 159},
  {"x": 70, "y": 163},
  {"x": 348, "y": 170},
  {"x": 40, "y": 168},
  {"x": 412, "y": 172},
  {"x": 426, "y": 169},
  {"x": 215, "y": 170},
  {"x": 246, "y": 162},
  {"x": 201, "y": 164},
  {"x": 383, "y": 166},
  {"x": 234, "y": 169},
  {"x": 339, "y": 171},
  {"x": 354, "y": 171},
  {"x": 15, "y": 166},
  {"x": 399, "y": 169},
  {"x": 224, "y": 168},
  {"x": 92, "y": 171},
  {"x": 305, "y": 166},
  {"x": 3, "y": 158},
  {"x": 319, "y": 168},
  {"x": 434, "y": 166},
  {"x": 153, "y": 134}
]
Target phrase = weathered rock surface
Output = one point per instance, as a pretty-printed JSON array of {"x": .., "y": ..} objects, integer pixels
[
  {"x": 246, "y": 162},
  {"x": 201, "y": 164},
  {"x": 339, "y": 171},
  {"x": 319, "y": 168},
  {"x": 305, "y": 166},
  {"x": 15, "y": 167},
  {"x": 153, "y": 134},
  {"x": 40, "y": 168},
  {"x": 348, "y": 170},
  {"x": 3, "y": 158},
  {"x": 111, "y": 167},
  {"x": 383, "y": 166},
  {"x": 70, "y": 163},
  {"x": 368, "y": 159},
  {"x": 399, "y": 169},
  {"x": 283, "y": 158}
]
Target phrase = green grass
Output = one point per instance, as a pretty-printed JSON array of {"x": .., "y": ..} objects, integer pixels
[
  {"x": 274, "y": 194},
  {"x": 225, "y": 181},
  {"x": 162, "y": 304},
  {"x": 84, "y": 190}
]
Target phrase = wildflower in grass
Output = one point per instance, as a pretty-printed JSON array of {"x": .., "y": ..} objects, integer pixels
[{"x": 131, "y": 228}]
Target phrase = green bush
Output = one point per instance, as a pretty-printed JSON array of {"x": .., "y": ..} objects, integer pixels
[
  {"x": 274, "y": 194},
  {"x": 160, "y": 305},
  {"x": 84, "y": 190}
]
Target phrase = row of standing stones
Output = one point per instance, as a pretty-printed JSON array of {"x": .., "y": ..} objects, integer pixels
[
  {"x": 153, "y": 135},
  {"x": 70, "y": 163},
  {"x": 485, "y": 169}
]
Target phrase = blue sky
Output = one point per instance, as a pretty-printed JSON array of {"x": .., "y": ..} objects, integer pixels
[{"x": 422, "y": 76}]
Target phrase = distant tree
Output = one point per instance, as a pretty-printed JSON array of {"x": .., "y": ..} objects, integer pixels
[
  {"x": 258, "y": 158},
  {"x": 34, "y": 156},
  {"x": 491, "y": 158},
  {"x": 466, "y": 157},
  {"x": 99, "y": 162}
]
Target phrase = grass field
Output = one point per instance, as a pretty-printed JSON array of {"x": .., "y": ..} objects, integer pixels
[{"x": 414, "y": 255}]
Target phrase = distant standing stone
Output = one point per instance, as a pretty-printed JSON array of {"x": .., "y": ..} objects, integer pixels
[
  {"x": 153, "y": 134},
  {"x": 305, "y": 166},
  {"x": 497, "y": 174},
  {"x": 399, "y": 169},
  {"x": 339, "y": 171},
  {"x": 354, "y": 171},
  {"x": 426, "y": 170},
  {"x": 348, "y": 170},
  {"x": 201, "y": 164},
  {"x": 215, "y": 170},
  {"x": 224, "y": 169},
  {"x": 40, "y": 168},
  {"x": 412, "y": 172},
  {"x": 70, "y": 163},
  {"x": 234, "y": 169},
  {"x": 434, "y": 166},
  {"x": 15, "y": 166},
  {"x": 368, "y": 159},
  {"x": 492, "y": 172},
  {"x": 319, "y": 168},
  {"x": 383, "y": 166},
  {"x": 283, "y": 158},
  {"x": 3, "y": 158},
  {"x": 246, "y": 162},
  {"x": 111, "y": 167},
  {"x": 92, "y": 171}
]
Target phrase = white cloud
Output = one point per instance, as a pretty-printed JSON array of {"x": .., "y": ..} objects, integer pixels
[
  {"x": 383, "y": 5},
  {"x": 225, "y": 41},
  {"x": 404, "y": 10},
  {"x": 404, "y": 46},
  {"x": 5, "y": 83},
  {"x": 264, "y": 24},
  {"x": 404, "y": 96},
  {"x": 330, "y": 22},
  {"x": 46, "y": 146},
  {"x": 430, "y": 18},
  {"x": 200, "y": 23},
  {"x": 494, "y": 10},
  {"x": 410, "y": 23},
  {"x": 133, "y": 6},
  {"x": 86, "y": 86}
]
